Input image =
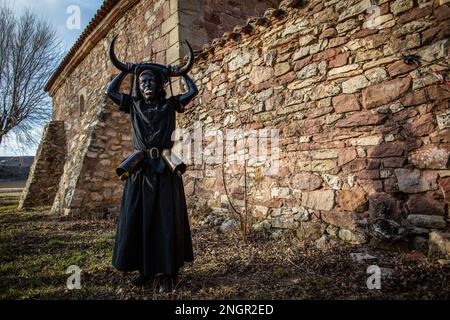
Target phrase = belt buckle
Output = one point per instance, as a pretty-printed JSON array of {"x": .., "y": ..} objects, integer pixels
[{"x": 153, "y": 153}]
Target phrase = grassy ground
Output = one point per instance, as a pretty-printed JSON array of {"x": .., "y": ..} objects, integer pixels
[{"x": 36, "y": 248}]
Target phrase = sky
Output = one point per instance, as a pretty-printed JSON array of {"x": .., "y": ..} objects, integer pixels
[{"x": 63, "y": 14}]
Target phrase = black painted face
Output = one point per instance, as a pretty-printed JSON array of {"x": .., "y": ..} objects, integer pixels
[{"x": 148, "y": 86}]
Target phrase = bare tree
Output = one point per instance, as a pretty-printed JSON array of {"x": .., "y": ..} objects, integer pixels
[{"x": 29, "y": 53}]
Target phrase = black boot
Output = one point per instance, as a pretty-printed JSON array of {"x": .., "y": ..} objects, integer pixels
[
  {"x": 141, "y": 280},
  {"x": 166, "y": 283}
]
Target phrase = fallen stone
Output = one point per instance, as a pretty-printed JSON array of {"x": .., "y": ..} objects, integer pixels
[
  {"x": 325, "y": 242},
  {"x": 352, "y": 237},
  {"x": 362, "y": 257},
  {"x": 311, "y": 230},
  {"x": 420, "y": 243},
  {"x": 427, "y": 221},
  {"x": 439, "y": 242},
  {"x": 284, "y": 222},
  {"x": 387, "y": 272},
  {"x": 332, "y": 231},
  {"x": 228, "y": 225},
  {"x": 419, "y": 204}
]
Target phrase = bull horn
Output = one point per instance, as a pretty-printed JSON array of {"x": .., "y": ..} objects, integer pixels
[
  {"x": 184, "y": 70},
  {"x": 116, "y": 62}
]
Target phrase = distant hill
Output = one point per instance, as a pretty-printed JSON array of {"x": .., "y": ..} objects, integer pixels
[{"x": 15, "y": 167}]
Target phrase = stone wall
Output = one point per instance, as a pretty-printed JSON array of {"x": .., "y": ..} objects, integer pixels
[
  {"x": 98, "y": 135},
  {"x": 47, "y": 167},
  {"x": 203, "y": 20},
  {"x": 364, "y": 137}
]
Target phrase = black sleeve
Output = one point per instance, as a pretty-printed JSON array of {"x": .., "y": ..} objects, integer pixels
[
  {"x": 125, "y": 103},
  {"x": 176, "y": 103}
]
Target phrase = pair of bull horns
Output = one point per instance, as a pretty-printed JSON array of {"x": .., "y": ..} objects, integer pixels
[{"x": 170, "y": 71}]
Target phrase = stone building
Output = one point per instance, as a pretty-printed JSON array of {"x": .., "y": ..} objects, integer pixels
[{"x": 364, "y": 137}]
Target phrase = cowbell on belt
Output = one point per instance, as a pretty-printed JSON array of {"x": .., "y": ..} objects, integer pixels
[{"x": 134, "y": 162}]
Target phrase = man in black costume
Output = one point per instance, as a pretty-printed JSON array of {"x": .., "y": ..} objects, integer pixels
[{"x": 153, "y": 234}]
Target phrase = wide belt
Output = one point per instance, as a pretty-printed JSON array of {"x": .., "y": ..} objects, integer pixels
[{"x": 153, "y": 153}]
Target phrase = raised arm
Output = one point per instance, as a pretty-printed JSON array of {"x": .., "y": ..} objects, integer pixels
[
  {"x": 113, "y": 88},
  {"x": 187, "y": 97}
]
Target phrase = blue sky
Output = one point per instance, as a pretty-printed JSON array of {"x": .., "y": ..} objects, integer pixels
[{"x": 55, "y": 11}]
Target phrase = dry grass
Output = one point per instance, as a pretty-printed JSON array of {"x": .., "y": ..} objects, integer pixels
[{"x": 36, "y": 248}]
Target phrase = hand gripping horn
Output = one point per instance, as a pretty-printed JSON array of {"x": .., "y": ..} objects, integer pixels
[{"x": 180, "y": 71}]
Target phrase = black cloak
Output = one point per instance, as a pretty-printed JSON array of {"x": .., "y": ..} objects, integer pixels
[{"x": 153, "y": 234}]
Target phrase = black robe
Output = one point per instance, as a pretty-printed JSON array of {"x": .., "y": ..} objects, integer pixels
[{"x": 153, "y": 234}]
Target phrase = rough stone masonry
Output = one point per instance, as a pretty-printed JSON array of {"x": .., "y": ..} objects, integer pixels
[{"x": 364, "y": 136}]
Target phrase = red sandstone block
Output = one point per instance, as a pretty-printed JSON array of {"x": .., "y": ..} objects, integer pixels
[
  {"x": 399, "y": 67},
  {"x": 422, "y": 204},
  {"x": 368, "y": 174},
  {"x": 328, "y": 33},
  {"x": 342, "y": 219},
  {"x": 438, "y": 92},
  {"x": 404, "y": 114},
  {"x": 414, "y": 14},
  {"x": 287, "y": 78},
  {"x": 301, "y": 63},
  {"x": 361, "y": 119},
  {"x": 390, "y": 185},
  {"x": 442, "y": 31},
  {"x": 385, "y": 92},
  {"x": 346, "y": 103},
  {"x": 340, "y": 60},
  {"x": 442, "y": 13},
  {"x": 373, "y": 164},
  {"x": 422, "y": 126},
  {"x": 346, "y": 155},
  {"x": 394, "y": 162},
  {"x": 364, "y": 33},
  {"x": 444, "y": 184},
  {"x": 414, "y": 98},
  {"x": 353, "y": 200},
  {"x": 355, "y": 166},
  {"x": 371, "y": 186},
  {"x": 326, "y": 54},
  {"x": 392, "y": 149}
]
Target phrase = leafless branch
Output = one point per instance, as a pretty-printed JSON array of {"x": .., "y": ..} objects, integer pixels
[{"x": 29, "y": 53}]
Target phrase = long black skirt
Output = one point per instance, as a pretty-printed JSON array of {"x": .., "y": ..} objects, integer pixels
[{"x": 153, "y": 234}]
